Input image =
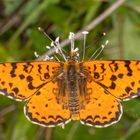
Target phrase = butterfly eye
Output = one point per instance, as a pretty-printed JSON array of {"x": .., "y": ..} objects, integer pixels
[{"x": 75, "y": 57}]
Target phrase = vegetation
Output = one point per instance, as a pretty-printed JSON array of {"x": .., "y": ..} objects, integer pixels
[{"x": 20, "y": 38}]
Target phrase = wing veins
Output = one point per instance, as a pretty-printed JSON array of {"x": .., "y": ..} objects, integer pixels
[{"x": 105, "y": 88}]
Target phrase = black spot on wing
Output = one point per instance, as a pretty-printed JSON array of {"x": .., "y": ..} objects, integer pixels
[
  {"x": 38, "y": 93},
  {"x": 30, "y": 86},
  {"x": 4, "y": 64},
  {"x": 95, "y": 67},
  {"x": 104, "y": 118},
  {"x": 103, "y": 69},
  {"x": 132, "y": 84},
  {"x": 33, "y": 107},
  {"x": 113, "y": 66},
  {"x": 109, "y": 112},
  {"x": 29, "y": 78},
  {"x": 47, "y": 67},
  {"x": 113, "y": 85},
  {"x": 46, "y": 76},
  {"x": 113, "y": 78},
  {"x": 96, "y": 75},
  {"x": 120, "y": 75},
  {"x": 16, "y": 90},
  {"x": 127, "y": 65},
  {"x": 43, "y": 118},
  {"x": 112, "y": 106},
  {"x": 21, "y": 76},
  {"x": 3, "y": 83},
  {"x": 10, "y": 85},
  {"x": 50, "y": 99},
  {"x": 37, "y": 113},
  {"x": 28, "y": 67},
  {"x": 128, "y": 89},
  {"x": 39, "y": 69},
  {"x": 12, "y": 72}
]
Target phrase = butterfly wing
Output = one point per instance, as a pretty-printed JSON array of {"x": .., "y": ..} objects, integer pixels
[
  {"x": 43, "y": 108},
  {"x": 20, "y": 80},
  {"x": 119, "y": 78},
  {"x": 102, "y": 110}
]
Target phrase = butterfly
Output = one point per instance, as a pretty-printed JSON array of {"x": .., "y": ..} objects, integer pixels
[{"x": 57, "y": 92}]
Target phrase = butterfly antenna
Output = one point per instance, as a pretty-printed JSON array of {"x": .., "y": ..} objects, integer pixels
[
  {"x": 99, "y": 50},
  {"x": 56, "y": 44},
  {"x": 43, "y": 31},
  {"x": 84, "y": 47}
]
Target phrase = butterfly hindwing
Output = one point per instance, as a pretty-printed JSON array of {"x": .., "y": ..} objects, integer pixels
[
  {"x": 20, "y": 80},
  {"x": 102, "y": 110},
  {"x": 43, "y": 108}
]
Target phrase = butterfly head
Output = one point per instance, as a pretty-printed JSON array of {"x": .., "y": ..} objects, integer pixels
[{"x": 73, "y": 57}]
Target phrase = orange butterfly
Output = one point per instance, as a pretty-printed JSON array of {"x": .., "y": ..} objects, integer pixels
[{"x": 57, "y": 92}]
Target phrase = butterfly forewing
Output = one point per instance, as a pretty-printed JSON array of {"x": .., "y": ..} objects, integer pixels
[
  {"x": 20, "y": 80},
  {"x": 119, "y": 78}
]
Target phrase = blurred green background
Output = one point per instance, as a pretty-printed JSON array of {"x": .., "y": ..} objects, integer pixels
[{"x": 20, "y": 38}]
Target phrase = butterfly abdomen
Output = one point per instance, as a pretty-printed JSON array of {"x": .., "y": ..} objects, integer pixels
[{"x": 72, "y": 89}]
